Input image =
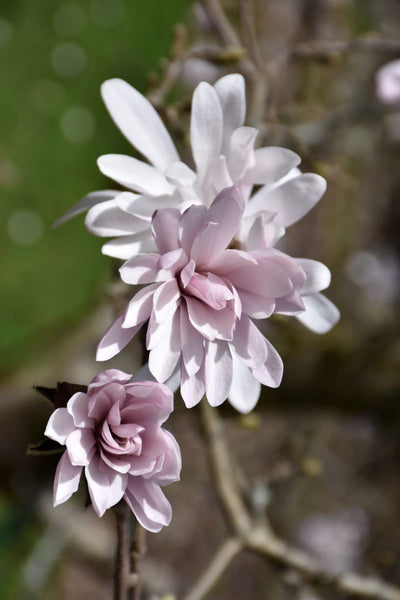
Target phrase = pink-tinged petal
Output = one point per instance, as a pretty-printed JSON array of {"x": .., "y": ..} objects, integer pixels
[
  {"x": 157, "y": 330},
  {"x": 115, "y": 462},
  {"x": 106, "y": 486},
  {"x": 210, "y": 323},
  {"x": 218, "y": 371},
  {"x": 241, "y": 155},
  {"x": 85, "y": 203},
  {"x": 134, "y": 174},
  {"x": 138, "y": 121},
  {"x": 109, "y": 376},
  {"x": 271, "y": 164},
  {"x": 205, "y": 127},
  {"x": 142, "y": 268},
  {"x": 157, "y": 395},
  {"x": 101, "y": 401},
  {"x": 192, "y": 344},
  {"x": 172, "y": 464},
  {"x": 291, "y": 200},
  {"x": 191, "y": 222},
  {"x": 59, "y": 426},
  {"x": 245, "y": 389},
  {"x": 140, "y": 307},
  {"x": 164, "y": 356},
  {"x": 148, "y": 503},
  {"x": 291, "y": 304},
  {"x": 264, "y": 232},
  {"x": 231, "y": 260},
  {"x": 180, "y": 174},
  {"x": 66, "y": 480},
  {"x": 318, "y": 276},
  {"x": 257, "y": 306},
  {"x": 171, "y": 263},
  {"x": 107, "y": 219},
  {"x": 165, "y": 227},
  {"x": 270, "y": 373},
  {"x": 192, "y": 387},
  {"x": 223, "y": 218},
  {"x": 249, "y": 343},
  {"x": 115, "y": 339},
  {"x": 210, "y": 289},
  {"x": 78, "y": 409},
  {"x": 187, "y": 273},
  {"x": 166, "y": 298},
  {"x": 266, "y": 279},
  {"x": 144, "y": 206},
  {"x": 81, "y": 446},
  {"x": 128, "y": 245},
  {"x": 232, "y": 96},
  {"x": 320, "y": 313}
]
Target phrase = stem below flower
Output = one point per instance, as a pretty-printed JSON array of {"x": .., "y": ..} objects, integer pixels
[{"x": 122, "y": 558}]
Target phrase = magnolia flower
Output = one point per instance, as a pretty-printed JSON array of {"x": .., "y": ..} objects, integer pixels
[
  {"x": 114, "y": 432},
  {"x": 202, "y": 300},
  {"x": 224, "y": 154},
  {"x": 388, "y": 83}
]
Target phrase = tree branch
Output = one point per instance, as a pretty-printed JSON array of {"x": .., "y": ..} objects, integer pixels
[
  {"x": 323, "y": 50},
  {"x": 260, "y": 538},
  {"x": 218, "y": 564},
  {"x": 122, "y": 562}
]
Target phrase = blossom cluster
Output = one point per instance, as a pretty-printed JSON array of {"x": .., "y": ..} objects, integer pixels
[{"x": 202, "y": 243}]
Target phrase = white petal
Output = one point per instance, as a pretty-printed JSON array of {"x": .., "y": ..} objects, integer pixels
[
  {"x": 66, "y": 480},
  {"x": 60, "y": 425},
  {"x": 192, "y": 387},
  {"x": 139, "y": 307},
  {"x": 179, "y": 174},
  {"x": 218, "y": 371},
  {"x": 291, "y": 200},
  {"x": 141, "y": 268},
  {"x": 127, "y": 246},
  {"x": 139, "y": 122},
  {"x": 270, "y": 373},
  {"x": 318, "y": 276},
  {"x": 245, "y": 389},
  {"x": 134, "y": 174},
  {"x": 164, "y": 356},
  {"x": 85, "y": 203},
  {"x": 271, "y": 164},
  {"x": 107, "y": 219},
  {"x": 249, "y": 343},
  {"x": 205, "y": 127},
  {"x": 143, "y": 207},
  {"x": 232, "y": 96},
  {"x": 115, "y": 339},
  {"x": 320, "y": 314}
]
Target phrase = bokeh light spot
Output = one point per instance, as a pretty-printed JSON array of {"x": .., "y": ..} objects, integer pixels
[
  {"x": 68, "y": 59},
  {"x": 69, "y": 19},
  {"x": 25, "y": 227},
  {"x": 78, "y": 124},
  {"x": 107, "y": 14}
]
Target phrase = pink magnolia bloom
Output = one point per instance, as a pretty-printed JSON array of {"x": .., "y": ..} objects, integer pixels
[
  {"x": 224, "y": 154},
  {"x": 388, "y": 83},
  {"x": 114, "y": 433},
  {"x": 202, "y": 302}
]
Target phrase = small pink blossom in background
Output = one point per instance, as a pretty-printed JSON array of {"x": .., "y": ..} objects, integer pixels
[
  {"x": 202, "y": 302},
  {"x": 388, "y": 83},
  {"x": 114, "y": 433}
]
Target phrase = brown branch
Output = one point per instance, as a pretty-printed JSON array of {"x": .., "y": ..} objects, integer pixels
[
  {"x": 323, "y": 50},
  {"x": 138, "y": 550},
  {"x": 260, "y": 538},
  {"x": 218, "y": 564},
  {"x": 122, "y": 562}
]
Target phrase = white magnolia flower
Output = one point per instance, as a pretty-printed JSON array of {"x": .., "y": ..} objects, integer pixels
[{"x": 224, "y": 154}]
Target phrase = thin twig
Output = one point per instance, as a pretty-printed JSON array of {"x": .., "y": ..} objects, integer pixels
[
  {"x": 322, "y": 50},
  {"x": 261, "y": 538},
  {"x": 218, "y": 564},
  {"x": 122, "y": 561}
]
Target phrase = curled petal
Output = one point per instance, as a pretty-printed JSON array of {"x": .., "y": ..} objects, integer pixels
[
  {"x": 60, "y": 425},
  {"x": 270, "y": 373},
  {"x": 148, "y": 503}
]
